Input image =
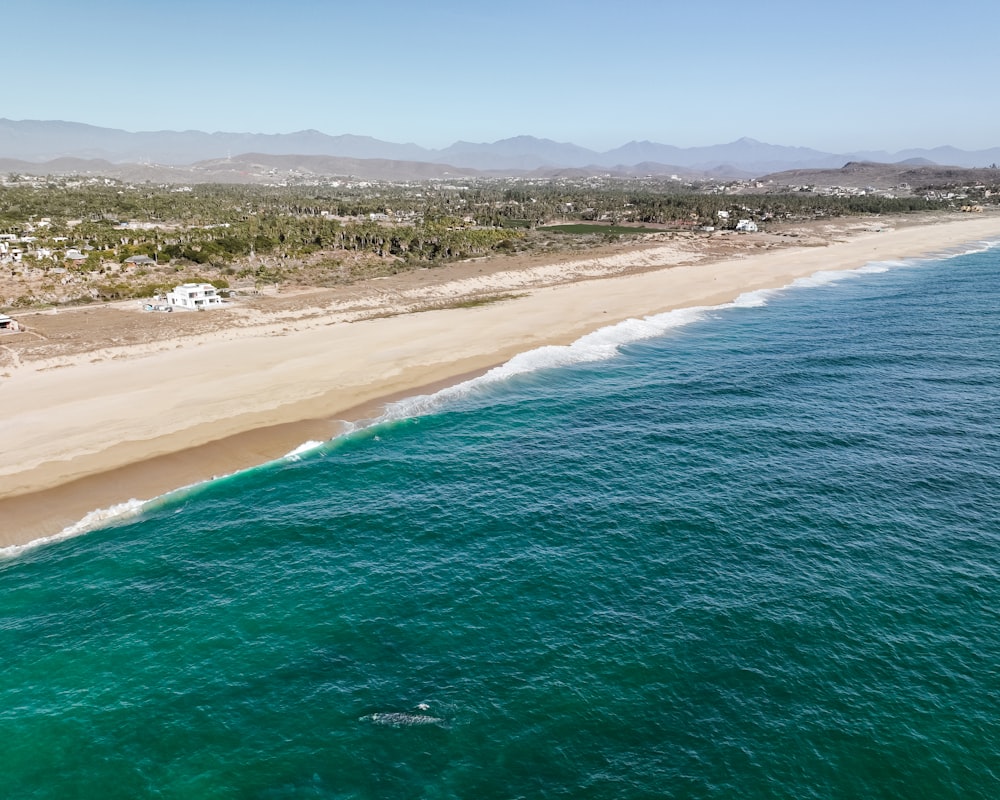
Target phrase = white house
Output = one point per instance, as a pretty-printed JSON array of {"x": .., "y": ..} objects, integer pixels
[
  {"x": 194, "y": 295},
  {"x": 746, "y": 225}
]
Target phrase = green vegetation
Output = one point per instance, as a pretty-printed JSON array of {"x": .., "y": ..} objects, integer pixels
[
  {"x": 476, "y": 302},
  {"x": 327, "y": 235}
]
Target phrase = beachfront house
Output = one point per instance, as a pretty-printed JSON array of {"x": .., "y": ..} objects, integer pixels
[
  {"x": 8, "y": 324},
  {"x": 195, "y": 296}
]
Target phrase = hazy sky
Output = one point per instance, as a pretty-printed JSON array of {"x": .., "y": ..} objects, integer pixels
[{"x": 836, "y": 76}]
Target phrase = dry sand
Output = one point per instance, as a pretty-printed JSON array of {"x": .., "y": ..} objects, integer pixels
[{"x": 97, "y": 412}]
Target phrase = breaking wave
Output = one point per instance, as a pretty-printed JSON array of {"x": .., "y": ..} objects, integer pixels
[{"x": 600, "y": 345}]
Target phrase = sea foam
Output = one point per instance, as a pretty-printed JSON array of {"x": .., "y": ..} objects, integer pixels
[
  {"x": 600, "y": 345},
  {"x": 605, "y": 343},
  {"x": 94, "y": 519},
  {"x": 303, "y": 448}
]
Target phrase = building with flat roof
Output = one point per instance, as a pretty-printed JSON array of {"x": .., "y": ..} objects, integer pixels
[{"x": 195, "y": 296}]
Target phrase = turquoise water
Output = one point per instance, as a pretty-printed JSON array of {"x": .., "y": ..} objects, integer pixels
[{"x": 746, "y": 552}]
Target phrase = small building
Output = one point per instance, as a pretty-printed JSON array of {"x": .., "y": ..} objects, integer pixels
[
  {"x": 140, "y": 261},
  {"x": 195, "y": 296},
  {"x": 746, "y": 226},
  {"x": 8, "y": 324}
]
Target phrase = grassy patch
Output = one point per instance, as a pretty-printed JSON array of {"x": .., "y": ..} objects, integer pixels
[{"x": 472, "y": 302}]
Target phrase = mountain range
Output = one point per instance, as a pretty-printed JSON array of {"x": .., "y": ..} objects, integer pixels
[{"x": 36, "y": 141}]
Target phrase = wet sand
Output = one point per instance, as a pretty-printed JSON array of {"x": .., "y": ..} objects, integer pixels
[{"x": 91, "y": 430}]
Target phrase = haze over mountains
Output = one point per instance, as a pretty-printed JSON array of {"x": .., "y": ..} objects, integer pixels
[{"x": 43, "y": 141}]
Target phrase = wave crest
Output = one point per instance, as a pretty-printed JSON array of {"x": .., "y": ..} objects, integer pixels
[
  {"x": 601, "y": 345},
  {"x": 94, "y": 519}
]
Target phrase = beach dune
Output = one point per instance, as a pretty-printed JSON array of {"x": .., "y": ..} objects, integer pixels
[{"x": 93, "y": 433}]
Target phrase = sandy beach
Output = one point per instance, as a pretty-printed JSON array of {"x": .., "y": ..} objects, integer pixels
[{"x": 187, "y": 397}]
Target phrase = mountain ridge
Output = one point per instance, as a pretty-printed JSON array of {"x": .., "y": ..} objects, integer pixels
[{"x": 46, "y": 140}]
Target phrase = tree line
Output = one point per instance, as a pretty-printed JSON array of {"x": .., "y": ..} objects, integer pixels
[{"x": 426, "y": 223}]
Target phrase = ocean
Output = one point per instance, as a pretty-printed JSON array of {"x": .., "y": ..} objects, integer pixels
[{"x": 749, "y": 551}]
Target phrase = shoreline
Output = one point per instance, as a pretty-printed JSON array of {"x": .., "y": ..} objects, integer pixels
[{"x": 91, "y": 435}]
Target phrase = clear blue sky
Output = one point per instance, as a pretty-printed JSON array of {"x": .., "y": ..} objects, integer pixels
[{"x": 835, "y": 76}]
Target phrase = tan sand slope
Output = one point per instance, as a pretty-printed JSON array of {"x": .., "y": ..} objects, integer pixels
[{"x": 91, "y": 433}]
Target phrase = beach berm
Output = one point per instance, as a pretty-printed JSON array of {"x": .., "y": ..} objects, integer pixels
[{"x": 106, "y": 422}]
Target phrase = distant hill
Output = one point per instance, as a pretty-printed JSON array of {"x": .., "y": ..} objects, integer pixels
[
  {"x": 885, "y": 176},
  {"x": 37, "y": 141},
  {"x": 244, "y": 168},
  {"x": 269, "y": 168},
  {"x": 746, "y": 155},
  {"x": 519, "y": 152},
  {"x": 264, "y": 166},
  {"x": 33, "y": 140}
]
